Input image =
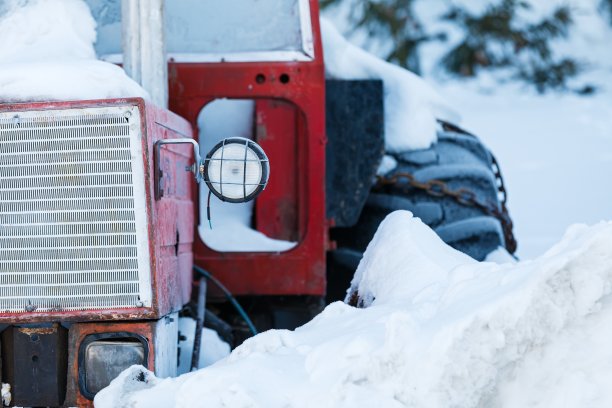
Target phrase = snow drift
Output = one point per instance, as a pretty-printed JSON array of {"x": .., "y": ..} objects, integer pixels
[
  {"x": 440, "y": 330},
  {"x": 411, "y": 105},
  {"x": 47, "y": 53}
]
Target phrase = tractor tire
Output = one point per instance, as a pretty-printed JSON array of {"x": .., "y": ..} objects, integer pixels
[{"x": 459, "y": 160}]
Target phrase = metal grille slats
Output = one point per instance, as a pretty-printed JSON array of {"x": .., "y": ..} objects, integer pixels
[
  {"x": 94, "y": 203},
  {"x": 65, "y": 216},
  {"x": 68, "y": 180},
  {"x": 68, "y": 266},
  {"x": 46, "y": 278},
  {"x": 72, "y": 192},
  {"x": 92, "y": 143},
  {"x": 68, "y": 222},
  {"x": 54, "y": 230},
  {"x": 54, "y": 169},
  {"x": 78, "y": 156}
]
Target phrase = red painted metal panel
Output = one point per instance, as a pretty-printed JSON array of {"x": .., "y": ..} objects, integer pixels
[
  {"x": 301, "y": 270},
  {"x": 276, "y": 211},
  {"x": 171, "y": 219}
]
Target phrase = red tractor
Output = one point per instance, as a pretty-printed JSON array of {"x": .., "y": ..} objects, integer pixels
[{"x": 107, "y": 236}]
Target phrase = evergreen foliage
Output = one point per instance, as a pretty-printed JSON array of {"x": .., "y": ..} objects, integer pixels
[
  {"x": 606, "y": 8},
  {"x": 499, "y": 38},
  {"x": 392, "y": 19}
]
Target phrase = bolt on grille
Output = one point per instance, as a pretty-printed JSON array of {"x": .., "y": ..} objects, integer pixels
[{"x": 73, "y": 227}]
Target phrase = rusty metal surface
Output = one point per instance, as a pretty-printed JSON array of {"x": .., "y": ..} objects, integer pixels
[
  {"x": 77, "y": 334},
  {"x": 170, "y": 220},
  {"x": 34, "y": 364},
  {"x": 72, "y": 205},
  {"x": 172, "y": 217}
]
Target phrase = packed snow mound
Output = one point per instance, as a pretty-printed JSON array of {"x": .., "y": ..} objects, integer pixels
[
  {"x": 382, "y": 276},
  {"x": 64, "y": 81},
  {"x": 47, "y": 53},
  {"x": 43, "y": 30},
  {"x": 411, "y": 105},
  {"x": 441, "y": 330}
]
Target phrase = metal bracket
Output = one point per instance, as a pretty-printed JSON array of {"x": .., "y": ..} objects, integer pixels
[{"x": 195, "y": 169}]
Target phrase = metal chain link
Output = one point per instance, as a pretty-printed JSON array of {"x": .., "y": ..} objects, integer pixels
[{"x": 464, "y": 196}]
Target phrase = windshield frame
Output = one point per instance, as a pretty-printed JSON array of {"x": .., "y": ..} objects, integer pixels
[{"x": 307, "y": 52}]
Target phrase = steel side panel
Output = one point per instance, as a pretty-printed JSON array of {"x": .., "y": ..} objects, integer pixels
[
  {"x": 173, "y": 215},
  {"x": 275, "y": 123},
  {"x": 170, "y": 262},
  {"x": 302, "y": 269}
]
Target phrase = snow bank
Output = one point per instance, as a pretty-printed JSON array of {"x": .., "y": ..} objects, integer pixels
[
  {"x": 47, "y": 53},
  {"x": 411, "y": 105},
  {"x": 441, "y": 330},
  {"x": 64, "y": 81}
]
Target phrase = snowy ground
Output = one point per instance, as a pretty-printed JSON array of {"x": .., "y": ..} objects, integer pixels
[{"x": 440, "y": 330}]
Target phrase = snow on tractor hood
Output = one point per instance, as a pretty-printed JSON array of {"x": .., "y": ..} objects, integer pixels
[
  {"x": 47, "y": 53},
  {"x": 411, "y": 104},
  {"x": 439, "y": 330}
]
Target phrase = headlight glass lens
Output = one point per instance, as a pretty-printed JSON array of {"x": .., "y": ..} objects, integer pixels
[
  {"x": 106, "y": 359},
  {"x": 236, "y": 170}
]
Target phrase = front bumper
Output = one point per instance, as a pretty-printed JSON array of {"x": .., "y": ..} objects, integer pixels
[{"x": 47, "y": 364}]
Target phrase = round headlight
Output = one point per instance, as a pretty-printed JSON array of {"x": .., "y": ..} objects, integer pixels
[{"x": 236, "y": 170}]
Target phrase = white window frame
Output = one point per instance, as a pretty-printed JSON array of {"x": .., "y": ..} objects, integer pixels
[{"x": 307, "y": 53}]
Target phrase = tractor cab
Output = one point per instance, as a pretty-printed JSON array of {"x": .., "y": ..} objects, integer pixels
[{"x": 250, "y": 69}]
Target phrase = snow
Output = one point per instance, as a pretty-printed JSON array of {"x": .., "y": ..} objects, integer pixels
[
  {"x": 47, "y": 53},
  {"x": 212, "y": 348},
  {"x": 65, "y": 81},
  {"x": 231, "y": 223},
  {"x": 6, "y": 394},
  {"x": 411, "y": 105},
  {"x": 440, "y": 330},
  {"x": 46, "y": 30},
  {"x": 500, "y": 256},
  {"x": 387, "y": 164}
]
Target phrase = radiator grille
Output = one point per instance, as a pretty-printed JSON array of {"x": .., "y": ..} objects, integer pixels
[{"x": 73, "y": 231}]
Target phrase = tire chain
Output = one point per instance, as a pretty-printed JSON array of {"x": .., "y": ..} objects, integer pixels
[{"x": 463, "y": 196}]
